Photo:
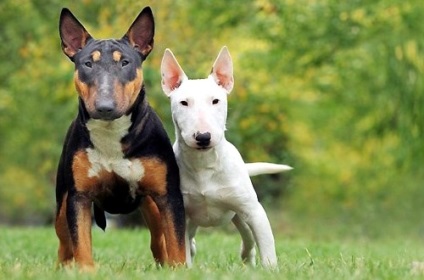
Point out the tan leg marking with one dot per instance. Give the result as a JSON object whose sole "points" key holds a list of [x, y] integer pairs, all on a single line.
{"points": [[65, 252], [152, 217], [83, 248], [154, 180], [161, 223]]}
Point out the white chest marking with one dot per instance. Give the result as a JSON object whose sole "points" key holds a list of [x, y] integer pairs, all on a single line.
{"points": [[107, 153]]}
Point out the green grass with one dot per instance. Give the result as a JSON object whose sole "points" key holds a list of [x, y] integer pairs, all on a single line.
{"points": [[30, 253]]}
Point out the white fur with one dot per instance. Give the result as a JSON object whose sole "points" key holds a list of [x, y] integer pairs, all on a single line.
{"points": [[258, 168], [215, 181], [107, 152]]}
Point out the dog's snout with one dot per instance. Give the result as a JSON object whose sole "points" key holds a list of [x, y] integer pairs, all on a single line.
{"points": [[105, 106], [105, 109], [203, 139]]}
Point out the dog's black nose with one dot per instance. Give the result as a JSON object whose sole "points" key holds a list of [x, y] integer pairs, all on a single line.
{"points": [[203, 139], [105, 109]]}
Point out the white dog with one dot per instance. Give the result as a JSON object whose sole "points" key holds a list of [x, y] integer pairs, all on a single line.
{"points": [[215, 181]]}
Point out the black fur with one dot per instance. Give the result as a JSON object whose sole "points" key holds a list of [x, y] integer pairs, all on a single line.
{"points": [[107, 77]]}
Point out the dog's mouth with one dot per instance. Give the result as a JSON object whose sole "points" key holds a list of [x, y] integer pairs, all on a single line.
{"points": [[199, 147], [203, 148], [105, 116]]}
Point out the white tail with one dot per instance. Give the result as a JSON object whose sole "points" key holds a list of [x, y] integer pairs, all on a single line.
{"points": [[258, 168]]}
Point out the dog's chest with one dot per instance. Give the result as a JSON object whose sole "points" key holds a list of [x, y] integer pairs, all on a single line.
{"points": [[207, 202], [107, 155]]}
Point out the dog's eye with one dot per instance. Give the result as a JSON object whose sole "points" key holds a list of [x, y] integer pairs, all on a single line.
{"points": [[215, 101], [124, 62], [184, 103], [88, 64]]}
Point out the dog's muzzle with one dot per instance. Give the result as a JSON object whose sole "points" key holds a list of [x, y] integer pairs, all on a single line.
{"points": [[105, 109], [202, 139]]}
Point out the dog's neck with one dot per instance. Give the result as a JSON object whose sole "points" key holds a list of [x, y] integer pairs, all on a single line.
{"points": [[195, 160], [106, 135]]}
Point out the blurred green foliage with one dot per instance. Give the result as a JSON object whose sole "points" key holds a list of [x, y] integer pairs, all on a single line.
{"points": [[333, 88]]}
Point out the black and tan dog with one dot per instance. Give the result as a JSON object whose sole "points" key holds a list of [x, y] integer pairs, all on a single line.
{"points": [[117, 156]]}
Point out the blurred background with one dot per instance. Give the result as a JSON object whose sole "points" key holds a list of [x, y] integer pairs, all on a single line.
{"points": [[333, 88]]}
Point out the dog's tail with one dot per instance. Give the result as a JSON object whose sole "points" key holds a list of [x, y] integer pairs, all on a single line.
{"points": [[258, 168]]}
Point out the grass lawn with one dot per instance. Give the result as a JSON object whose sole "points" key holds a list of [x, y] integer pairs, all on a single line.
{"points": [[30, 253]]}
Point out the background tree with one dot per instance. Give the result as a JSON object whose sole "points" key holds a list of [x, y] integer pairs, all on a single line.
{"points": [[333, 88]]}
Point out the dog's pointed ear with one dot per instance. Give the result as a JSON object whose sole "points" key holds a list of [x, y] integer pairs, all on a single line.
{"points": [[140, 34], [72, 33], [171, 72], [222, 70]]}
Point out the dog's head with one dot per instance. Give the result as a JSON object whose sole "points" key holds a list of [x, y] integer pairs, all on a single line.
{"points": [[108, 75], [199, 107]]}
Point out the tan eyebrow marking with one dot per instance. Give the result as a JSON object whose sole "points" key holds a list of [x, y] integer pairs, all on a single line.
{"points": [[96, 55], [117, 56]]}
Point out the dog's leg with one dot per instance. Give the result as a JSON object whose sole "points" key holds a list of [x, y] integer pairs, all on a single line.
{"points": [[190, 243], [173, 222], [191, 232], [258, 222], [78, 215], [248, 252], [166, 223], [65, 252], [152, 218]]}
